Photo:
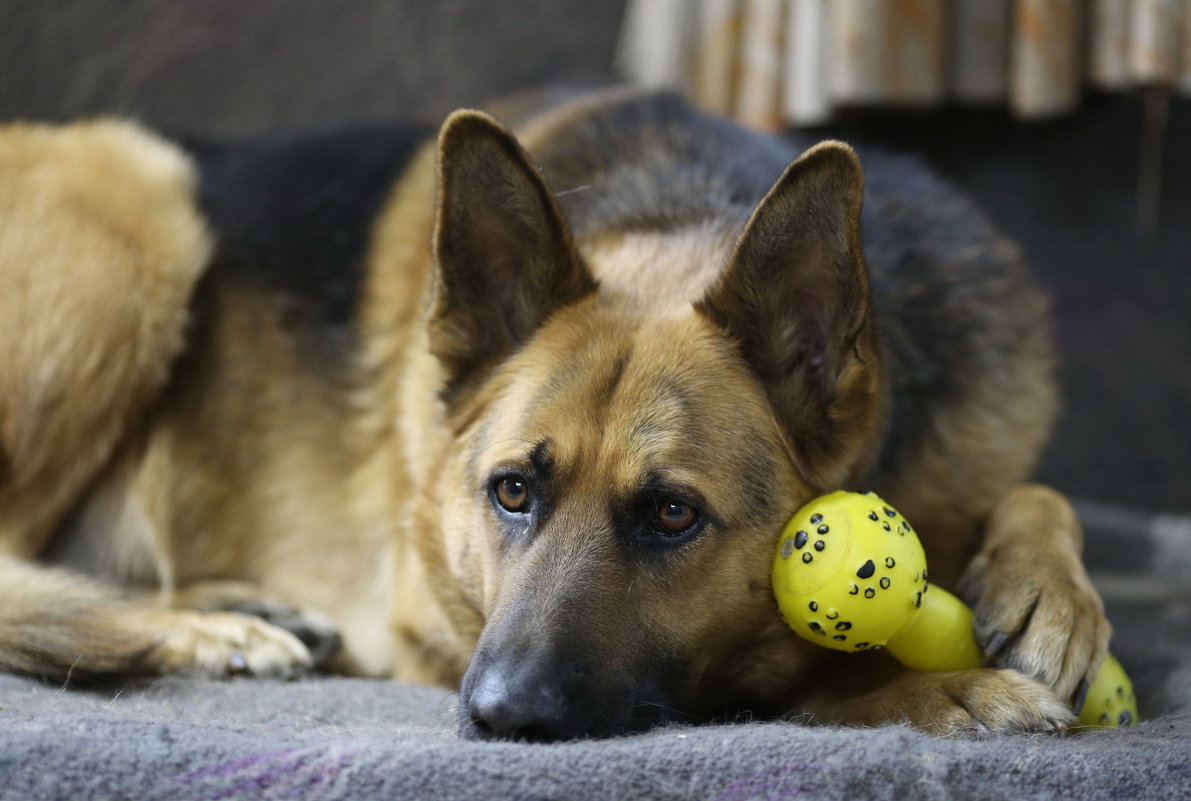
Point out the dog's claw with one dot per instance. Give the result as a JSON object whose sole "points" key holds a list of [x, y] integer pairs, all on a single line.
{"points": [[236, 663], [1081, 696], [996, 644]]}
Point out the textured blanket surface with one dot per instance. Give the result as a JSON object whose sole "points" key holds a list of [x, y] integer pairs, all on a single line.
{"points": [[357, 739], [362, 739]]}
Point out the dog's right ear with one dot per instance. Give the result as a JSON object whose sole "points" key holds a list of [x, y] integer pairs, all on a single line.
{"points": [[504, 256], [795, 297]]}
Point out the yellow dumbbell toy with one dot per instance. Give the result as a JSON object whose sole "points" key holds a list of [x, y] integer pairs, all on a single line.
{"points": [[850, 574]]}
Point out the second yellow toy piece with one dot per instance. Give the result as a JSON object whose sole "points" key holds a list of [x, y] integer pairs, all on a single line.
{"points": [[850, 574]]}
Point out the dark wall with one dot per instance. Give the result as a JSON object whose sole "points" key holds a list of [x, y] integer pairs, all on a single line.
{"points": [[236, 66]]}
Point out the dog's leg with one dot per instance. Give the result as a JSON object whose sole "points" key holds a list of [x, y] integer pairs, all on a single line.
{"points": [[317, 631], [1034, 607], [1036, 615], [100, 248], [57, 623], [856, 691]]}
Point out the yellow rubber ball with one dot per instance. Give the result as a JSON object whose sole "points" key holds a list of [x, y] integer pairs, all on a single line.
{"points": [[849, 572]]}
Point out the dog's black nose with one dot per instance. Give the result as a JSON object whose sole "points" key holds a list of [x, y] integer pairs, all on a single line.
{"points": [[511, 704]]}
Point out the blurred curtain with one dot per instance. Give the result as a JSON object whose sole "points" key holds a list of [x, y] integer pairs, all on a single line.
{"points": [[771, 63]]}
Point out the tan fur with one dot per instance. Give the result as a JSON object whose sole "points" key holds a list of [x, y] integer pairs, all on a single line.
{"points": [[1027, 585], [93, 304], [729, 360], [971, 702]]}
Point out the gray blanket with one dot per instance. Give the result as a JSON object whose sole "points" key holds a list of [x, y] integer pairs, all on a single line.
{"points": [[360, 739]]}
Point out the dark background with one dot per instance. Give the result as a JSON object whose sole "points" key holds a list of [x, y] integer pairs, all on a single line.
{"points": [[1066, 189]]}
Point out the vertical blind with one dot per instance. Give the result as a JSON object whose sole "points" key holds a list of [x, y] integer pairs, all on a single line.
{"points": [[772, 63]]}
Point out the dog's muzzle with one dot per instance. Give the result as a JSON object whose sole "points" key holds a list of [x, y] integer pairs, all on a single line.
{"points": [[537, 698]]}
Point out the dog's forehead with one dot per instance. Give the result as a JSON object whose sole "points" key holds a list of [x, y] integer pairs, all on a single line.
{"points": [[622, 401]]}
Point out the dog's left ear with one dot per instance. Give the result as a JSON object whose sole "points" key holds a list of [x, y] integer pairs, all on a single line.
{"points": [[503, 252], [795, 296]]}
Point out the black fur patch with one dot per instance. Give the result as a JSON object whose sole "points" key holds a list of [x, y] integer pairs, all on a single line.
{"points": [[294, 214]]}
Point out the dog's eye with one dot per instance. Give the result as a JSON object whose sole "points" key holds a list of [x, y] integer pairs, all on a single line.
{"points": [[512, 493], [675, 517]]}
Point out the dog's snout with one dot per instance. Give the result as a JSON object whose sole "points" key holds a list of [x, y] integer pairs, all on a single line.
{"points": [[511, 704]]}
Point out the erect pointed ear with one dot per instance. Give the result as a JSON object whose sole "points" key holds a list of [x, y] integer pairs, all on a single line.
{"points": [[795, 296], [505, 260]]}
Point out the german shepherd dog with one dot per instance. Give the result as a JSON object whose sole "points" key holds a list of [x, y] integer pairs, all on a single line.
{"points": [[517, 410]]}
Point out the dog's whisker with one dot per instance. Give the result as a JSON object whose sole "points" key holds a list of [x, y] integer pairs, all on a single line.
{"points": [[677, 713]]}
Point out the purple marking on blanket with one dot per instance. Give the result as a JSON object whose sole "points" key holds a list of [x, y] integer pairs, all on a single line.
{"points": [[321, 776], [774, 784], [292, 773], [239, 765]]}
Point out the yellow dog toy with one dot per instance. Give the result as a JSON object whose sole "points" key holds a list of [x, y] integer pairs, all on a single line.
{"points": [[850, 574]]}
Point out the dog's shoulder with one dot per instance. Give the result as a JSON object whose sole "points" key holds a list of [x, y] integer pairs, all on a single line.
{"points": [[964, 328]]}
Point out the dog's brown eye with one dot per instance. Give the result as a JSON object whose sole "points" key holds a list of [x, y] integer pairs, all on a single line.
{"points": [[675, 517], [512, 493]]}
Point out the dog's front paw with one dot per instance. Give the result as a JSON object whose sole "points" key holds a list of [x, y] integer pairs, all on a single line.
{"points": [[980, 701], [1034, 607], [318, 632], [222, 644]]}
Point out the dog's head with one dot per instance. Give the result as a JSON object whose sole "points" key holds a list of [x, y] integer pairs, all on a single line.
{"points": [[626, 450]]}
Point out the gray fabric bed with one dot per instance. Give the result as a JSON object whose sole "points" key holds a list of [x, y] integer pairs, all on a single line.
{"points": [[360, 739]]}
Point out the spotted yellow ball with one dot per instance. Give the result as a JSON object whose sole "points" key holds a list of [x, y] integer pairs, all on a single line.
{"points": [[850, 574]]}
